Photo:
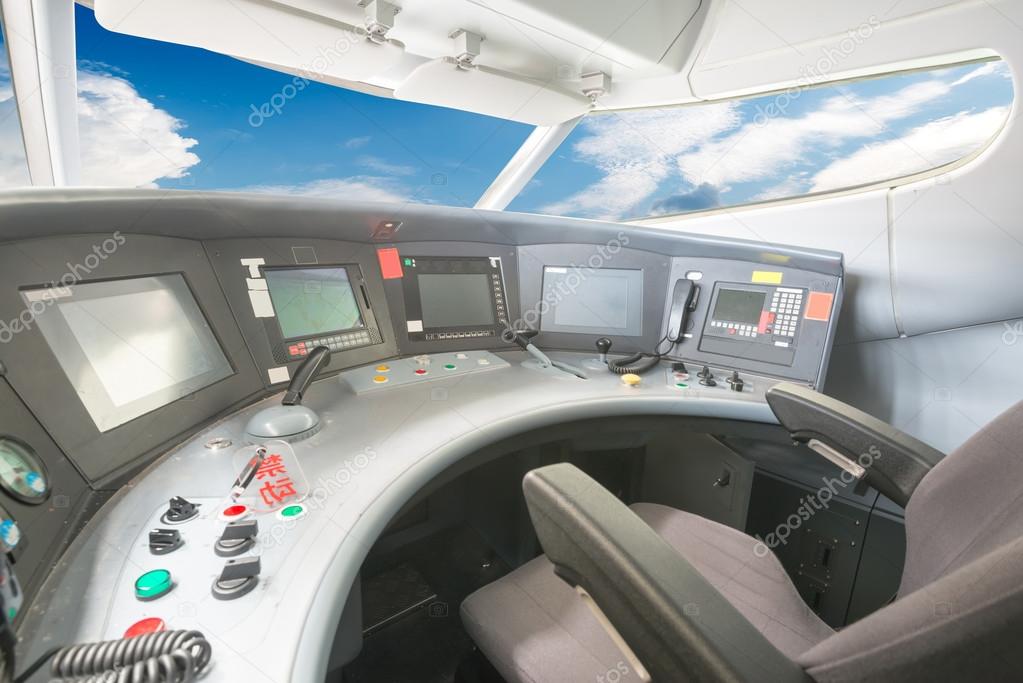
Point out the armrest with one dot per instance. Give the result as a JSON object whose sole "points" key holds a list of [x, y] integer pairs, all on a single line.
{"points": [[675, 622], [890, 460]]}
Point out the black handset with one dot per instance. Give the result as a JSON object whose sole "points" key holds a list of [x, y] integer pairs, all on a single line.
{"points": [[684, 298]]}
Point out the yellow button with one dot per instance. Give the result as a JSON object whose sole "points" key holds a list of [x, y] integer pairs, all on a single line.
{"points": [[383, 368], [380, 379], [631, 380]]}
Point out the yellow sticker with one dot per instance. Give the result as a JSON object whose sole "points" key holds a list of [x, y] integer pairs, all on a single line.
{"points": [[766, 277]]}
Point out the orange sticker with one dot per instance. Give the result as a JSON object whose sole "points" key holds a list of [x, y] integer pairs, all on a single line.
{"points": [[818, 306]]}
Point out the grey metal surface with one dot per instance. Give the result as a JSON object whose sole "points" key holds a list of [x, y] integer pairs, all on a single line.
{"points": [[277, 422], [374, 452], [215, 215]]}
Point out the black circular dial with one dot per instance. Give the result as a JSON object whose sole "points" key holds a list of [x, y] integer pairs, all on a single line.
{"points": [[22, 474]]}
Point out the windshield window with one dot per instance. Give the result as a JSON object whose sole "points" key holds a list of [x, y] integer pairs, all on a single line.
{"points": [[162, 115], [13, 167], [679, 159]]}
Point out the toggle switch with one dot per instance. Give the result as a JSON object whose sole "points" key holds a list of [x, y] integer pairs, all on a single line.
{"points": [[238, 537], [735, 382], [164, 541], [237, 578], [179, 510]]}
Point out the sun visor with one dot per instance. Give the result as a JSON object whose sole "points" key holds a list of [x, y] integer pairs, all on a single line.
{"points": [[272, 34], [488, 91]]}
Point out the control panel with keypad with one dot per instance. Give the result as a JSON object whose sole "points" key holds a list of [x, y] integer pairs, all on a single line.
{"points": [[759, 322]]}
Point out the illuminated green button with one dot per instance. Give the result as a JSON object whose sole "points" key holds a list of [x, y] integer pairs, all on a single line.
{"points": [[449, 366], [152, 585], [682, 385], [291, 512]]}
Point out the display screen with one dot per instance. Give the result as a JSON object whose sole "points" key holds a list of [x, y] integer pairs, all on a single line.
{"points": [[455, 299], [593, 301], [739, 306], [129, 346], [313, 301]]}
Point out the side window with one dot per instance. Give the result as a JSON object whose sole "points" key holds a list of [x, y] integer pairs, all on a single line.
{"points": [[13, 166], [642, 163]]}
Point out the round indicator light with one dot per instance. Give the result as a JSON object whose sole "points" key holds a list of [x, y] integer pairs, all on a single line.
{"points": [[449, 366], [234, 512], [421, 372], [144, 626], [380, 379], [153, 584], [291, 512], [383, 368], [682, 385]]}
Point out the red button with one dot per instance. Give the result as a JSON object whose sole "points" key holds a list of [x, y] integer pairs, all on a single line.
{"points": [[293, 350], [143, 626], [235, 510], [731, 330], [420, 371]]}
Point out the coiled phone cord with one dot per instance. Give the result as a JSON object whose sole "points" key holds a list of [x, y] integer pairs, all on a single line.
{"points": [[639, 363], [161, 657]]}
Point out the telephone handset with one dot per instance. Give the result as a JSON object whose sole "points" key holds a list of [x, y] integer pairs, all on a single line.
{"points": [[684, 298]]}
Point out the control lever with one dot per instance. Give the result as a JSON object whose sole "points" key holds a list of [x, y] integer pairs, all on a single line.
{"points": [[164, 541], [237, 578], [603, 346], [523, 339], [305, 374], [237, 538], [735, 382]]}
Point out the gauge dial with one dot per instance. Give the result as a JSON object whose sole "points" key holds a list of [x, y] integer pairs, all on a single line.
{"points": [[22, 474]]}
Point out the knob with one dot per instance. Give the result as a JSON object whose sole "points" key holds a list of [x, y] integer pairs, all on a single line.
{"points": [[706, 377], [735, 382], [237, 538], [603, 346], [164, 541], [237, 578], [179, 510]]}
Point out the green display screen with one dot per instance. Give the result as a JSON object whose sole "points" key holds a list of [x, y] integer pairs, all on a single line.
{"points": [[313, 301]]}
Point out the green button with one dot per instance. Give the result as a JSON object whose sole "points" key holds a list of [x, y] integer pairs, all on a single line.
{"points": [[682, 385], [292, 511], [152, 585], [449, 366], [11, 613]]}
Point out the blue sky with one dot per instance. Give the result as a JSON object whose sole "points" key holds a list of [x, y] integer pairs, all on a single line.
{"points": [[159, 114]]}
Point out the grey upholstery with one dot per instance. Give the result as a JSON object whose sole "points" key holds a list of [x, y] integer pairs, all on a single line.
{"points": [[958, 615], [534, 627]]}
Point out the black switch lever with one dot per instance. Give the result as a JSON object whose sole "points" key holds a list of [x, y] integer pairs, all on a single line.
{"points": [[238, 537], [237, 578], [305, 374], [164, 541], [735, 382], [603, 346], [179, 510]]}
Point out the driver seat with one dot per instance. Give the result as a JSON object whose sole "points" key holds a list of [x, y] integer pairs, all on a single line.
{"points": [[650, 590]]}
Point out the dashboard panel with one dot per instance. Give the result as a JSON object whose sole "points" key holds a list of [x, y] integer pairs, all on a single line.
{"points": [[146, 358]]}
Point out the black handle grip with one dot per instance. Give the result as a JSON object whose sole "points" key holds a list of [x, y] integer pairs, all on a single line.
{"points": [[520, 337], [305, 374]]}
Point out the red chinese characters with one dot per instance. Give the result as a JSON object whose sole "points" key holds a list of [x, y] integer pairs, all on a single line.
{"points": [[276, 486]]}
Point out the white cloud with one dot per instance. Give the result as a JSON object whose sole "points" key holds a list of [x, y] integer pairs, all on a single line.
{"points": [[125, 140], [635, 152], [922, 148], [356, 143], [360, 188], [380, 166]]}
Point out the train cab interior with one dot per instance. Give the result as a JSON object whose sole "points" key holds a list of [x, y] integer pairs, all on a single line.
{"points": [[510, 341]]}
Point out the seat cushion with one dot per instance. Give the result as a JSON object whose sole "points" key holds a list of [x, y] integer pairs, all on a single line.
{"points": [[534, 627]]}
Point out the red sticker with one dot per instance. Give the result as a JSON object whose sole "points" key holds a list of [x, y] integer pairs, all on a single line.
{"points": [[390, 263], [818, 306]]}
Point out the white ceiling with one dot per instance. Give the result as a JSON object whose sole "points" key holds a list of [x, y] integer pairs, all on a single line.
{"points": [[656, 51]]}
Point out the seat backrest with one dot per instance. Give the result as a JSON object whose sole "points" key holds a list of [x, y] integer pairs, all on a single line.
{"points": [[960, 606], [967, 506]]}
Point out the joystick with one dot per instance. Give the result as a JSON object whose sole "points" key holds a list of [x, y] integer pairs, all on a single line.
{"points": [[603, 346], [707, 377], [292, 421], [735, 383]]}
